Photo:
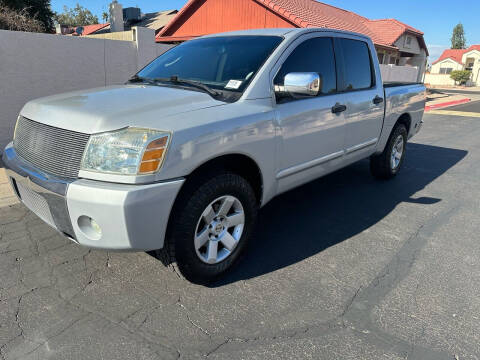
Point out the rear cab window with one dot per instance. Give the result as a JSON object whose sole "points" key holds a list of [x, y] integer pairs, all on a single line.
{"points": [[356, 66]]}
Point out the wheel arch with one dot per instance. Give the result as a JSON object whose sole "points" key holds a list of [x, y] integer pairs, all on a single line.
{"points": [[405, 119], [237, 163]]}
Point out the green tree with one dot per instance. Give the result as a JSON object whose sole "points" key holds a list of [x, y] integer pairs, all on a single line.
{"points": [[77, 16], [461, 76], [105, 16], [458, 37], [39, 10]]}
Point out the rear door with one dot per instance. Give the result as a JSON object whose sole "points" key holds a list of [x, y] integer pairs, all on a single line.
{"points": [[312, 135], [363, 95]]}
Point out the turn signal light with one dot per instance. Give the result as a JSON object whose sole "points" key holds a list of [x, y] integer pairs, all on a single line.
{"points": [[153, 156]]}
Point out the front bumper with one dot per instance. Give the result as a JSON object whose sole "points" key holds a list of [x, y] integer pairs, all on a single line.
{"points": [[129, 217]]}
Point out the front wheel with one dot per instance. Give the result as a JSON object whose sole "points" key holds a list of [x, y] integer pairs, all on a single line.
{"points": [[210, 227], [389, 162]]}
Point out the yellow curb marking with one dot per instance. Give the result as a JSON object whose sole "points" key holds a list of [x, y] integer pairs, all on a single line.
{"points": [[453, 113]]}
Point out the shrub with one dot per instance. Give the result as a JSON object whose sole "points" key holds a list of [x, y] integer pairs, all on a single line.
{"points": [[18, 20], [460, 76]]}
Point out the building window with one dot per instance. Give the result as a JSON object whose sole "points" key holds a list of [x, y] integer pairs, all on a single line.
{"points": [[446, 70], [408, 41], [470, 64], [393, 60]]}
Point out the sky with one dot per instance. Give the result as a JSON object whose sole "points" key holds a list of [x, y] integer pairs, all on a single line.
{"points": [[435, 18]]}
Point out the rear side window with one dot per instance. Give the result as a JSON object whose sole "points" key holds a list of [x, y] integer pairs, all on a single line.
{"points": [[357, 65], [313, 55]]}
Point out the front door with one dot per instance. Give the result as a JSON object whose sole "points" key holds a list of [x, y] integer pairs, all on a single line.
{"points": [[312, 135]]}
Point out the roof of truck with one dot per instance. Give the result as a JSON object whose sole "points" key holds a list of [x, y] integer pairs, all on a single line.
{"points": [[282, 32]]}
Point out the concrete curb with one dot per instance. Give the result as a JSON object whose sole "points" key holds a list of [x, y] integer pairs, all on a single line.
{"points": [[447, 103]]}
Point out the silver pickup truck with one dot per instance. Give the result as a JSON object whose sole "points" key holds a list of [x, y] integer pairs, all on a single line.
{"points": [[179, 160]]}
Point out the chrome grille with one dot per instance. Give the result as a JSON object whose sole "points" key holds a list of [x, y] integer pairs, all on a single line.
{"points": [[53, 150]]}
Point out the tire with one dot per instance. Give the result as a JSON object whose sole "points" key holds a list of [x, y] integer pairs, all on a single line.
{"points": [[382, 166], [189, 216]]}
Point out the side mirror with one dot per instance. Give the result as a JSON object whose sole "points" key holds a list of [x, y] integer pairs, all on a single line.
{"points": [[300, 84]]}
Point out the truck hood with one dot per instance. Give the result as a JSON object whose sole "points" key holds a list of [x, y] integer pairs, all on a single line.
{"points": [[115, 107]]}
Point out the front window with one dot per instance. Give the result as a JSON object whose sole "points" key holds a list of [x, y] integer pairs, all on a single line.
{"points": [[225, 63], [313, 55]]}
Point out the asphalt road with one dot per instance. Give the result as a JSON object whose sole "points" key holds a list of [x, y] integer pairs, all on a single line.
{"points": [[473, 106], [456, 91], [345, 267]]}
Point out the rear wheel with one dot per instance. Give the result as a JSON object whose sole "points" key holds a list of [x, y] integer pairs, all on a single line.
{"points": [[389, 162], [210, 227]]}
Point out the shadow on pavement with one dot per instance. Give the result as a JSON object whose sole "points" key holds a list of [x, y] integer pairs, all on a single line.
{"points": [[309, 219]]}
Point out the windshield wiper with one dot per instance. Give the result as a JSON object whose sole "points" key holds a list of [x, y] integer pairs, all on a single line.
{"points": [[137, 79], [176, 80]]}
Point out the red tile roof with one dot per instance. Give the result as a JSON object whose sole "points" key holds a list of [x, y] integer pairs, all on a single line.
{"points": [[473, 47], [456, 54], [311, 13], [91, 29]]}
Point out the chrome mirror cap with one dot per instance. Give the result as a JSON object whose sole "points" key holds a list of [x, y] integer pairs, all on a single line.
{"points": [[301, 84]]}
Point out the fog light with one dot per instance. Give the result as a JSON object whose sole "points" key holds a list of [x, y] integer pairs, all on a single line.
{"points": [[89, 227], [95, 227]]}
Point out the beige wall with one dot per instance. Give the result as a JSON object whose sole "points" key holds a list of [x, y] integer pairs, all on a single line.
{"points": [[36, 65], [475, 55], [447, 63], [439, 80], [120, 35]]}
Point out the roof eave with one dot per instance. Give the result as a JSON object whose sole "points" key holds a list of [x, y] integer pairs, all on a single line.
{"points": [[177, 16], [174, 38], [447, 58]]}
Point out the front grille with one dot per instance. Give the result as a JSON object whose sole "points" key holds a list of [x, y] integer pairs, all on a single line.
{"points": [[53, 150]]}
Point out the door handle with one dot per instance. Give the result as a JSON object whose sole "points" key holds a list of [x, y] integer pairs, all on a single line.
{"points": [[338, 108], [377, 100]]}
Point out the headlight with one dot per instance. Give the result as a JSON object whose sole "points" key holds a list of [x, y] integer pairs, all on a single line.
{"points": [[130, 151]]}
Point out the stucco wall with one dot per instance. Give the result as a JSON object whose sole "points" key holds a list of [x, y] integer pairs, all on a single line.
{"points": [[474, 55], [447, 63], [414, 46], [36, 65], [439, 80]]}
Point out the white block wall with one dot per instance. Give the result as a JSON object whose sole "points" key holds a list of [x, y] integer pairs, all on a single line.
{"points": [[35, 65], [393, 73]]}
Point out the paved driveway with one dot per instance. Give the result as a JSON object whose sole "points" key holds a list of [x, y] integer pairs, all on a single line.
{"points": [[343, 268]]}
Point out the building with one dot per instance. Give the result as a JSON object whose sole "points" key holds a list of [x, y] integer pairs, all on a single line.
{"points": [[82, 30], [156, 20], [124, 19], [396, 43], [456, 59]]}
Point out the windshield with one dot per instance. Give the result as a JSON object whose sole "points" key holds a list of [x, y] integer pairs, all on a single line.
{"points": [[222, 63]]}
